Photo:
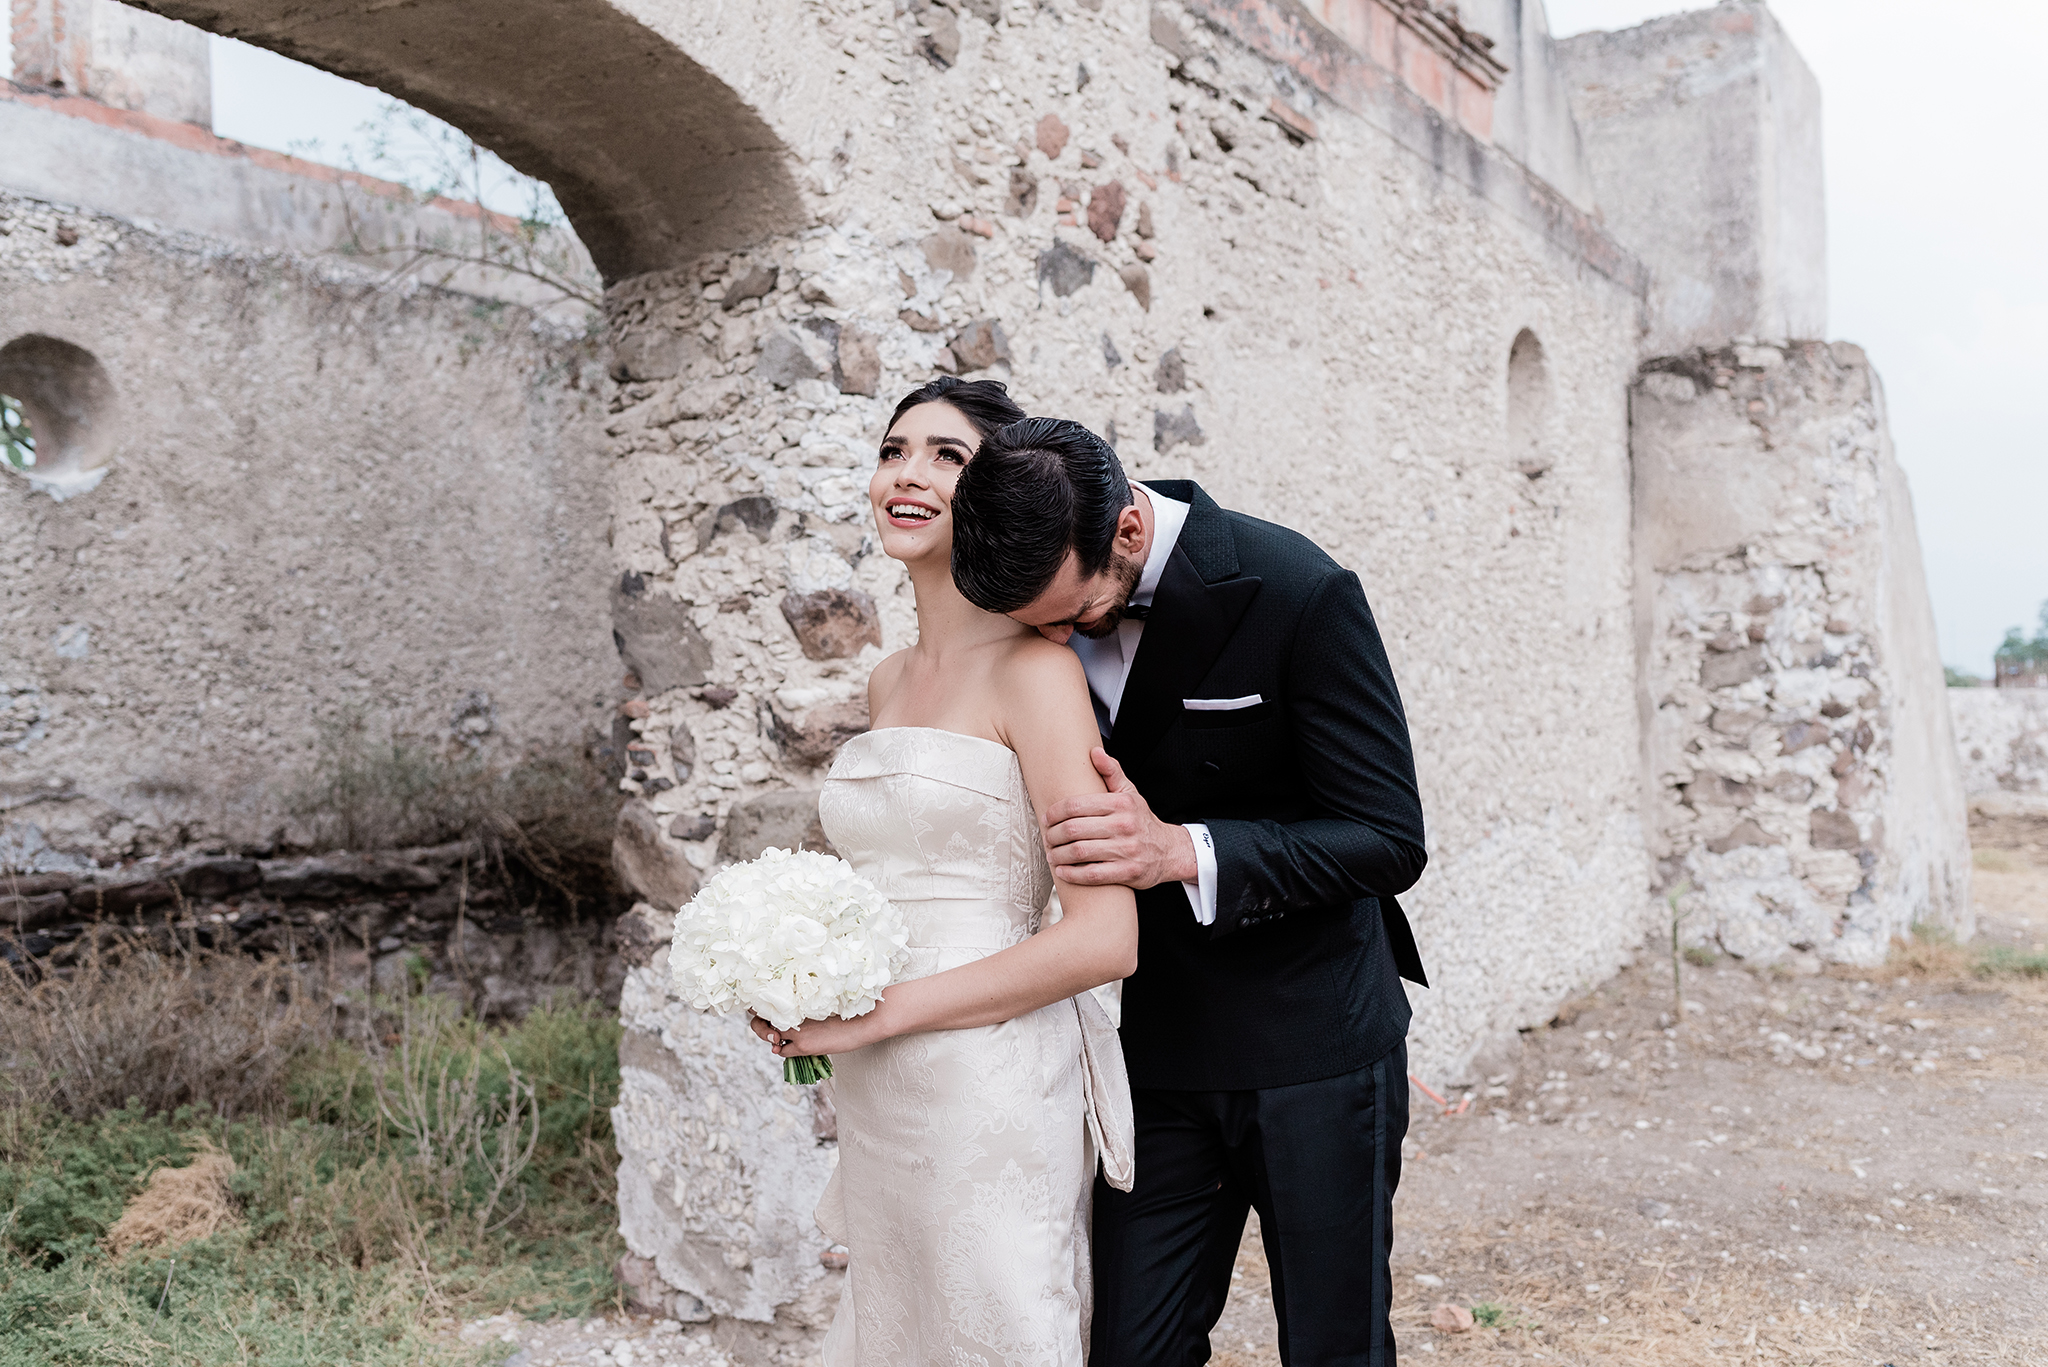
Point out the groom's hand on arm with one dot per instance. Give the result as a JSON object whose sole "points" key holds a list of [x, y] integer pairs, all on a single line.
{"points": [[1113, 839]]}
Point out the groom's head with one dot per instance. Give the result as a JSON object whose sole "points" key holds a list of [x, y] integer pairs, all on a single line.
{"points": [[1044, 529]]}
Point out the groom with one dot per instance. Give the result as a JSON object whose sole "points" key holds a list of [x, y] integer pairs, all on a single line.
{"points": [[1263, 802]]}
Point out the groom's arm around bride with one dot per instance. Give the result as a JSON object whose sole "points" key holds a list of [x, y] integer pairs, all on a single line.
{"points": [[1264, 804]]}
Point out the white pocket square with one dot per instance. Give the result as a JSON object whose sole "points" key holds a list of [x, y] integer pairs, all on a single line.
{"points": [[1221, 704]]}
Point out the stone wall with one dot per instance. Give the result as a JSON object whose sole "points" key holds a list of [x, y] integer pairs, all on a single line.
{"points": [[1237, 278], [2002, 737], [1803, 791], [113, 54], [326, 500], [455, 920], [170, 176]]}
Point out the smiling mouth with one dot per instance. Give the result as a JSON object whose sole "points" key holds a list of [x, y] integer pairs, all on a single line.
{"points": [[909, 512]]}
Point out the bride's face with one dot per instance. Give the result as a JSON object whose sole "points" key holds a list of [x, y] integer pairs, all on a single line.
{"points": [[912, 489]]}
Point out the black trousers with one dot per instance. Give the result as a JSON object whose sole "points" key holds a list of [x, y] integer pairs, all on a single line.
{"points": [[1319, 1161]]}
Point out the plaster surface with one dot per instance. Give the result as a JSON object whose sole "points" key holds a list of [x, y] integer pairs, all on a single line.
{"points": [[115, 54], [322, 500], [1703, 131]]}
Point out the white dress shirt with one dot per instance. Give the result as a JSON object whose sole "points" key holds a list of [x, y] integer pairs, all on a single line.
{"points": [[1107, 663]]}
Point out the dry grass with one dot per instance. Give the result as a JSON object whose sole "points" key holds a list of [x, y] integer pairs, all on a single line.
{"points": [[179, 1205], [426, 1165], [548, 816], [469, 1142], [1935, 953], [163, 1023]]}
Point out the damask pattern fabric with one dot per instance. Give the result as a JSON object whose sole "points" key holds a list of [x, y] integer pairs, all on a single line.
{"points": [[966, 1157]]}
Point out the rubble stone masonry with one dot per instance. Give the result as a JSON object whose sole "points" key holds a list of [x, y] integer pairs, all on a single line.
{"points": [[1105, 210], [1804, 795]]}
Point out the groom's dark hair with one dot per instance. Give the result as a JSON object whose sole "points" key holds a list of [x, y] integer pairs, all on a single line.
{"points": [[1036, 490]]}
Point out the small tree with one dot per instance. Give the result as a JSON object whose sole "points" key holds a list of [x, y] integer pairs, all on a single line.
{"points": [[433, 161], [2018, 655]]}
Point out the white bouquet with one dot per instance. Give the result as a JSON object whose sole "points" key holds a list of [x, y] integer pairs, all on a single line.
{"points": [[791, 936]]}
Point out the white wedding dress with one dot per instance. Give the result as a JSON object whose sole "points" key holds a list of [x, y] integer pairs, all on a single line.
{"points": [[966, 1157]]}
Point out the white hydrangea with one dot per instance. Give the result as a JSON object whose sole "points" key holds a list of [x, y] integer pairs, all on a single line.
{"points": [[792, 936]]}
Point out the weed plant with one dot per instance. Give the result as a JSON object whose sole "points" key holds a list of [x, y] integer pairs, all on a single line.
{"points": [[395, 1172], [547, 818], [1934, 951]]}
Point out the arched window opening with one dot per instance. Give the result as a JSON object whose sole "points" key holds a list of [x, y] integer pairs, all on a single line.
{"points": [[1529, 447], [57, 415]]}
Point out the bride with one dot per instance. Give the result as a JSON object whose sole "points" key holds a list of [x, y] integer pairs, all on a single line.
{"points": [[975, 1101]]}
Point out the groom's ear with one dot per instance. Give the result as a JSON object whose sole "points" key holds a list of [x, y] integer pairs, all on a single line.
{"points": [[1130, 531]]}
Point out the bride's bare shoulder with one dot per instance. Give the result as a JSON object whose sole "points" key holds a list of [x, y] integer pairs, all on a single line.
{"points": [[1042, 705], [1034, 668], [883, 679]]}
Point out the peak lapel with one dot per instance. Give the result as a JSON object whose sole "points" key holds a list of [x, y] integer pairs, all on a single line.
{"points": [[1191, 623]]}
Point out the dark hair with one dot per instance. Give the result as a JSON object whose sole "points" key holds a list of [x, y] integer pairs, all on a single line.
{"points": [[1034, 491], [986, 404]]}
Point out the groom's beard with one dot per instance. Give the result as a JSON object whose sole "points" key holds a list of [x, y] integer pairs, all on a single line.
{"points": [[1126, 573]]}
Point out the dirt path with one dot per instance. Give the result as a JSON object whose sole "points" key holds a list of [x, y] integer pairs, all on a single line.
{"points": [[1848, 1168]]}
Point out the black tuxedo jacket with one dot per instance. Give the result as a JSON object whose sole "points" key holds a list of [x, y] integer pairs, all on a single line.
{"points": [[1310, 797]]}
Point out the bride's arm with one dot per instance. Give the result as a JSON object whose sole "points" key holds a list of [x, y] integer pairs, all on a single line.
{"points": [[1046, 718]]}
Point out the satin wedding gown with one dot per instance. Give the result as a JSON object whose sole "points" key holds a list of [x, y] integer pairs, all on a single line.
{"points": [[966, 1157]]}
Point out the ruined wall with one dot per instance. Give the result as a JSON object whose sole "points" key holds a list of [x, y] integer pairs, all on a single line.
{"points": [[1296, 304], [1337, 261], [174, 176], [1532, 110], [114, 54], [2002, 737], [1703, 131], [324, 500], [1799, 755]]}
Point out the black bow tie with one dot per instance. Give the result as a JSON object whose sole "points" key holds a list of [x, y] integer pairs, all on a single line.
{"points": [[1136, 612]]}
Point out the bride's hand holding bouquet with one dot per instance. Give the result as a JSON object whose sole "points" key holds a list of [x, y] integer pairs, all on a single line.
{"points": [[792, 937]]}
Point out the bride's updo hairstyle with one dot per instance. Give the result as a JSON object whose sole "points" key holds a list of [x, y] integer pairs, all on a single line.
{"points": [[1036, 490], [986, 404]]}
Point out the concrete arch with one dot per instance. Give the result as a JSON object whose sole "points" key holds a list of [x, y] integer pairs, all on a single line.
{"points": [[654, 159]]}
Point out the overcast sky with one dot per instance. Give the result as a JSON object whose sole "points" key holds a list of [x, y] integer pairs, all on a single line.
{"points": [[1937, 207]]}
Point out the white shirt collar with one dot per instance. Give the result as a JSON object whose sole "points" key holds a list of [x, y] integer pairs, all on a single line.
{"points": [[1169, 515]]}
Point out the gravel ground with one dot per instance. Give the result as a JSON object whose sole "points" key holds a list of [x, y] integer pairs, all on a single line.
{"points": [[1850, 1167], [1830, 1168], [631, 1340]]}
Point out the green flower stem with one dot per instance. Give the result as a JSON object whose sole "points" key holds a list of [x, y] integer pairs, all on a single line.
{"points": [[807, 1070]]}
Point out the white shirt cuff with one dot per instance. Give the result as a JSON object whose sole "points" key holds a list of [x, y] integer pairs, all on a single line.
{"points": [[1202, 892]]}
